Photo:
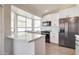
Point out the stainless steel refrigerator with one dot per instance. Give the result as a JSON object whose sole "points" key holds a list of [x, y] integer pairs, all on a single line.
{"points": [[68, 29]]}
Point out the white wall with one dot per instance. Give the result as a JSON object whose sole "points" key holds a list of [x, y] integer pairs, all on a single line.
{"points": [[54, 18], [5, 30], [1, 33], [0, 30], [54, 36]]}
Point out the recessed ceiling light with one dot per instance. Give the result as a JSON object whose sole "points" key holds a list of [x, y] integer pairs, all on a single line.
{"points": [[46, 10]]}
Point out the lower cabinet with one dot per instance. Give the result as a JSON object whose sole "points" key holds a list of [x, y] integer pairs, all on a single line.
{"points": [[54, 38], [36, 47]]}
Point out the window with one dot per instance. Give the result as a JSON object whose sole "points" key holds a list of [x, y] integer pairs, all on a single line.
{"points": [[21, 29], [21, 23], [29, 22], [29, 29], [37, 25]]}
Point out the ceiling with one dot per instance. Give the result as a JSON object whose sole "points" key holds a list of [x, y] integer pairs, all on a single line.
{"points": [[43, 9]]}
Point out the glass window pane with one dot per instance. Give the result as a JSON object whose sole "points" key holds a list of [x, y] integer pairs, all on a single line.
{"points": [[29, 22], [21, 29], [37, 29], [21, 21], [37, 23], [21, 24], [28, 29]]}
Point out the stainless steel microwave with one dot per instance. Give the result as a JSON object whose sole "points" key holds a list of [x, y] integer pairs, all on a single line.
{"points": [[46, 23]]}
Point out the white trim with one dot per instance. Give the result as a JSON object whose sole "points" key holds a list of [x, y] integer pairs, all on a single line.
{"points": [[15, 22]]}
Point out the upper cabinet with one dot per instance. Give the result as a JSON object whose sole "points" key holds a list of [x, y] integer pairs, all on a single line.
{"points": [[53, 18], [63, 14], [46, 18], [74, 12], [70, 12]]}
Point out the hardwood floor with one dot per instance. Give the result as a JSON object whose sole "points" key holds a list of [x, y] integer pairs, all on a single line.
{"points": [[54, 49]]}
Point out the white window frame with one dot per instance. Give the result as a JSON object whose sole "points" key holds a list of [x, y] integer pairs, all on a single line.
{"points": [[37, 27], [16, 20]]}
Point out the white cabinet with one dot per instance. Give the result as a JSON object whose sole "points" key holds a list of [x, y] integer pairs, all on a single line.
{"points": [[70, 12], [23, 47], [63, 14], [46, 18], [77, 45], [73, 11], [54, 38], [55, 29]]}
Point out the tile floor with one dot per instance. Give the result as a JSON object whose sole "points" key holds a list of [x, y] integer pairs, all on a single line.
{"points": [[54, 49]]}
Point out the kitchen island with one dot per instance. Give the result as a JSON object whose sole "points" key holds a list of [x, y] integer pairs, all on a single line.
{"points": [[25, 43]]}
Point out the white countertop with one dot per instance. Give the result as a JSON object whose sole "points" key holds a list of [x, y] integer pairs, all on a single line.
{"points": [[26, 36]]}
